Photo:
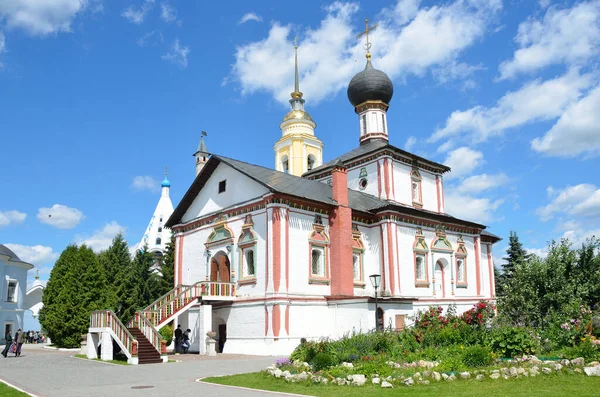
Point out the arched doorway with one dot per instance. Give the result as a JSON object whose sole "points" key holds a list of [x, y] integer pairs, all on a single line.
{"points": [[380, 324], [440, 285], [220, 268]]}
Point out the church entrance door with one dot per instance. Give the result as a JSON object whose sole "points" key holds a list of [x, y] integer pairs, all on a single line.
{"points": [[439, 280], [220, 268]]}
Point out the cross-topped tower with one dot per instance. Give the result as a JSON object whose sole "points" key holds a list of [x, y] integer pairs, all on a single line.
{"points": [[366, 34]]}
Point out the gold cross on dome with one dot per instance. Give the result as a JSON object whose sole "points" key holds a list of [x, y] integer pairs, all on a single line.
{"points": [[366, 34]]}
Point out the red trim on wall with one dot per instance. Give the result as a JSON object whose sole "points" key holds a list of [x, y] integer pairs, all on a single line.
{"points": [[393, 184], [267, 251], [287, 319], [382, 254], [491, 271], [276, 248], [180, 260], [378, 179], [390, 248], [276, 321], [287, 250], [386, 178], [477, 264]]}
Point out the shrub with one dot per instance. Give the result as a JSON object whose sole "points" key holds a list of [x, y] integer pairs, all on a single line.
{"points": [[585, 349], [322, 361], [512, 341], [477, 356], [167, 333]]}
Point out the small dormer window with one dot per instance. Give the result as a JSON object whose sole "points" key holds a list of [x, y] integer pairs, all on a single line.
{"points": [[222, 186], [159, 229], [158, 241]]}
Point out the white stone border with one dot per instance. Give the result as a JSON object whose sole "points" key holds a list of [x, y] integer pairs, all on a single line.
{"points": [[199, 380], [17, 388], [62, 349]]}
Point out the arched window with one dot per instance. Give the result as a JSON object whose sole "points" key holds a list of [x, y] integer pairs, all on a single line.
{"points": [[160, 229], [319, 255], [358, 250], [249, 265], [461, 264], [285, 164], [248, 252], [158, 241], [310, 162], [415, 183], [420, 250]]}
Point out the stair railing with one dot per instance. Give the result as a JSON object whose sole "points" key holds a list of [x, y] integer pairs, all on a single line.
{"points": [[166, 297], [140, 321], [108, 319]]}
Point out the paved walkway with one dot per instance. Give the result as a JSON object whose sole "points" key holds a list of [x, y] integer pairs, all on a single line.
{"points": [[50, 373]]}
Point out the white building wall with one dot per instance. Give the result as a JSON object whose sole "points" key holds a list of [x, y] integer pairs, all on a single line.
{"points": [[12, 312], [372, 179], [238, 190], [429, 191]]}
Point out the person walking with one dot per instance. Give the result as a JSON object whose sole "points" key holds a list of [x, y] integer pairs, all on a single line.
{"points": [[19, 338], [178, 339], [186, 341], [9, 339]]}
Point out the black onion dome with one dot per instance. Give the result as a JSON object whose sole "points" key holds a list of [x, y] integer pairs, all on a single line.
{"points": [[370, 85]]}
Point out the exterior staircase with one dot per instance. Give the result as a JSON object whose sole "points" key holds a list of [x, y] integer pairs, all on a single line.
{"points": [[140, 339], [147, 354]]}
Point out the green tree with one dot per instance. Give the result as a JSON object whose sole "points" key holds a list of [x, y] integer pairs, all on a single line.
{"points": [[76, 287], [115, 261], [515, 254], [167, 267]]}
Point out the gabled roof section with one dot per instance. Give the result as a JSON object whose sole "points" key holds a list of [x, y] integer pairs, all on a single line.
{"points": [[12, 257], [279, 182], [371, 147]]}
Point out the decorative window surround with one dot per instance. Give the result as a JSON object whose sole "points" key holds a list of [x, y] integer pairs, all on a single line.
{"points": [[461, 256], [358, 251], [318, 254], [247, 244], [12, 291], [415, 188], [420, 251]]}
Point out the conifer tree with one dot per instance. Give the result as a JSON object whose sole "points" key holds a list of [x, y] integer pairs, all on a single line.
{"points": [[515, 254], [76, 287], [168, 267], [116, 262]]}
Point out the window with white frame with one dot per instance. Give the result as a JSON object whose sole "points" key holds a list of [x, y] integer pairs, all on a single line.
{"points": [[420, 269], [356, 266], [318, 261], [11, 292], [416, 186], [249, 263], [460, 271]]}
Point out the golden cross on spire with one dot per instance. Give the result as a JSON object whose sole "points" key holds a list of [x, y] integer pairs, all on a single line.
{"points": [[366, 34]]}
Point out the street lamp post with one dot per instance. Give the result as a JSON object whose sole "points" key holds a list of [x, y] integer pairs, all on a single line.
{"points": [[375, 279]]}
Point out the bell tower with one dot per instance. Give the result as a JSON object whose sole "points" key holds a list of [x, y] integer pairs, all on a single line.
{"points": [[201, 154], [298, 150]]}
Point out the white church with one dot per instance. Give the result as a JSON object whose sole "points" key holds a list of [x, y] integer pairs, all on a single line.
{"points": [[265, 257]]}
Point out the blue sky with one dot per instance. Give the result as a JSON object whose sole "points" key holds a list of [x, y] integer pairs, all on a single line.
{"points": [[98, 96]]}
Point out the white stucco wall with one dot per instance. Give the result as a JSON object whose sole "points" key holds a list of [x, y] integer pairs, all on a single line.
{"points": [[239, 189], [12, 312]]}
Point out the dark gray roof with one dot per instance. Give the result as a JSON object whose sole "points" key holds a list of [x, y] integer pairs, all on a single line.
{"points": [[370, 85], [491, 235], [369, 147], [4, 250], [279, 182]]}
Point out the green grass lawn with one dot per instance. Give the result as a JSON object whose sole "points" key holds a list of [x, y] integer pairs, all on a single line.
{"points": [[542, 385], [7, 391], [120, 362]]}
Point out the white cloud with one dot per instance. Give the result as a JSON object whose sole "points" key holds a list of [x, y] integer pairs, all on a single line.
{"points": [[154, 36], [570, 36], [577, 132], [42, 17], [579, 236], [137, 15], [455, 71], [463, 161], [465, 206], [410, 143], [145, 183], [167, 12], [2, 43], [541, 252], [177, 54], [535, 101], [8, 217], [480, 183], [251, 16], [582, 200], [60, 216], [411, 45], [37, 255], [101, 239]]}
